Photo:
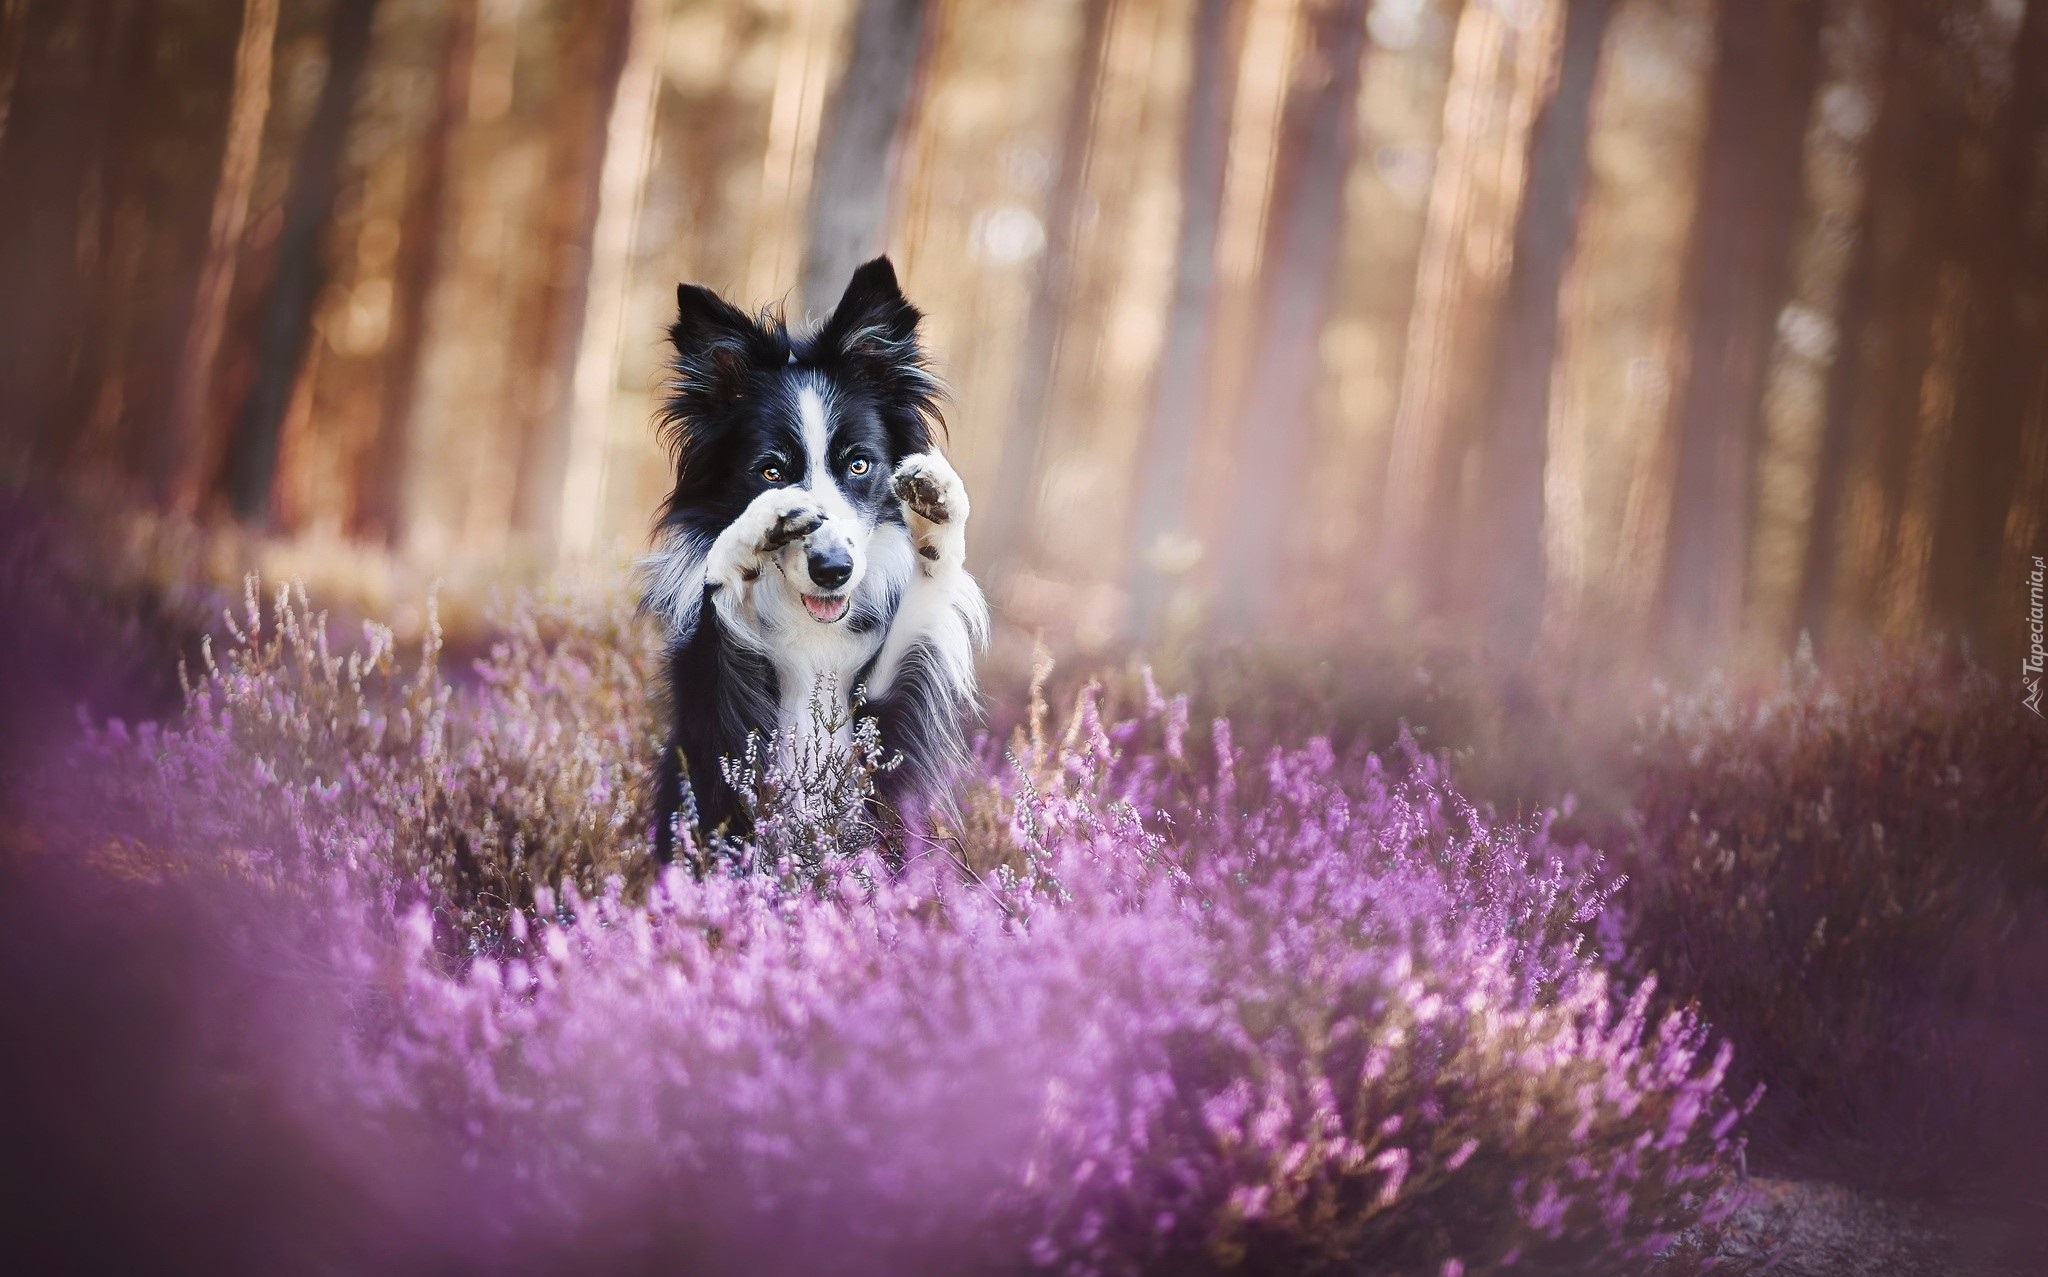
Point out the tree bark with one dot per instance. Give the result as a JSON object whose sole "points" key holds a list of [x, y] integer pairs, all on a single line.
{"points": [[1305, 231], [1514, 455], [1499, 67], [53, 169], [2006, 341], [628, 166], [857, 154], [554, 332], [301, 271], [1814, 608], [182, 461], [13, 39], [1167, 452], [380, 486], [81, 436], [1765, 75], [1882, 345], [1008, 520]]}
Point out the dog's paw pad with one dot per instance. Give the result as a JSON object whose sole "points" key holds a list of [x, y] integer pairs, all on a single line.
{"points": [[928, 491], [793, 524]]}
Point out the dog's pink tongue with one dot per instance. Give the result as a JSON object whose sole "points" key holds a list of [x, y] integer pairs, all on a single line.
{"points": [[825, 609]]}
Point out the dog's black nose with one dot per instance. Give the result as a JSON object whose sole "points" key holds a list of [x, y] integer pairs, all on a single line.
{"points": [[830, 565]]}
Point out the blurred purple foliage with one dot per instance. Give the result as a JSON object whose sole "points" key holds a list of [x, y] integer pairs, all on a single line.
{"points": [[1848, 871], [1158, 1004]]}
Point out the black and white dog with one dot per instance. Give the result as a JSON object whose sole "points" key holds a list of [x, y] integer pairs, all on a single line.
{"points": [[814, 545]]}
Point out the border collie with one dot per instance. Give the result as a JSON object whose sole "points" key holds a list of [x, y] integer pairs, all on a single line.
{"points": [[813, 551]]}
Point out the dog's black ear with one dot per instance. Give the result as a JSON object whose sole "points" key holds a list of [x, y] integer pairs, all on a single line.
{"points": [[717, 350], [873, 334], [872, 312], [714, 341]]}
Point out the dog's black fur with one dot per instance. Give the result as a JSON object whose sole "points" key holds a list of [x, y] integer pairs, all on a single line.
{"points": [[806, 481]]}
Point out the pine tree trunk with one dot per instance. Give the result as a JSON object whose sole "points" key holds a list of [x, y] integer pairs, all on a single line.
{"points": [[380, 486], [1303, 234], [2006, 341], [857, 152], [13, 39], [81, 437], [1009, 507], [595, 382], [1499, 67], [1767, 70], [52, 167], [182, 461], [301, 272], [1514, 451], [1167, 452], [556, 313], [1882, 347]]}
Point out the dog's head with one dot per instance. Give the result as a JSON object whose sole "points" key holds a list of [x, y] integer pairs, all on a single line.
{"points": [[755, 406]]}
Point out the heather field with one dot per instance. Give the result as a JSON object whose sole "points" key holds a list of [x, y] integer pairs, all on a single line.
{"points": [[1515, 540], [351, 957]]}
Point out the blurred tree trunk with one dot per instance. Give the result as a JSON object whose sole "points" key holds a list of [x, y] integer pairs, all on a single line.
{"points": [[52, 168], [183, 451], [1008, 521], [1913, 243], [1511, 566], [380, 486], [1766, 71], [1501, 61], [1814, 606], [115, 217], [13, 39], [1166, 453], [551, 327], [629, 164], [1304, 234], [2005, 344], [1886, 179], [1882, 341], [857, 154], [301, 267]]}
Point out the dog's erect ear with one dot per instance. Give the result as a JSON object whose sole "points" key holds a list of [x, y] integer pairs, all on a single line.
{"points": [[871, 314], [710, 332], [717, 350], [716, 344], [873, 332]]}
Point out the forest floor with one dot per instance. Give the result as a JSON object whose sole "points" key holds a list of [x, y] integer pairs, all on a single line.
{"points": [[1805, 1228]]}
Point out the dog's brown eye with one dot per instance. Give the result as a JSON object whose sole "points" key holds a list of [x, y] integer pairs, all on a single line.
{"points": [[859, 466], [772, 474]]}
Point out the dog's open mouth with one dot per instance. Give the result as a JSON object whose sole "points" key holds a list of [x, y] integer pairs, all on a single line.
{"points": [[824, 609]]}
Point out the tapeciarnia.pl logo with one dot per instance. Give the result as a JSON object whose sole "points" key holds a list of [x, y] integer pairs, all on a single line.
{"points": [[2037, 655]]}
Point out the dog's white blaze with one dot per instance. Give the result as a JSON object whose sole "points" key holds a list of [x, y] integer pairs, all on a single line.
{"points": [[840, 515], [810, 411]]}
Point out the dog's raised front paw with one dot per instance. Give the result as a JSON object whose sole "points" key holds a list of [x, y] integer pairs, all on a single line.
{"points": [[771, 521], [928, 487], [935, 504], [783, 515]]}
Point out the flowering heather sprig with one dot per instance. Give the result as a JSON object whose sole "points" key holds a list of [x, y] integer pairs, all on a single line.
{"points": [[1151, 1007]]}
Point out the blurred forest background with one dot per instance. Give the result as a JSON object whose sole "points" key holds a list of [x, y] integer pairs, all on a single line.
{"points": [[1574, 326]]}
